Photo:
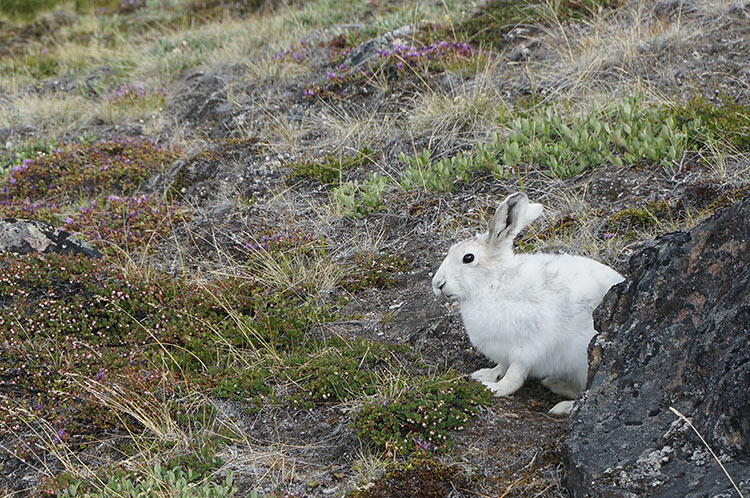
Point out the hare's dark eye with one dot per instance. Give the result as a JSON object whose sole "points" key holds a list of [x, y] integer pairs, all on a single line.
{"points": [[468, 258]]}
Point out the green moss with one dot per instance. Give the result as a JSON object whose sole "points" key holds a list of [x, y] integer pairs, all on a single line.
{"points": [[531, 241], [246, 384], [26, 9], [420, 419]]}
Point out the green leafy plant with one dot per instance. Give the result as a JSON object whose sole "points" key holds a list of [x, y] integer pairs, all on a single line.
{"points": [[358, 200], [176, 483], [441, 176], [415, 477], [625, 134], [115, 166]]}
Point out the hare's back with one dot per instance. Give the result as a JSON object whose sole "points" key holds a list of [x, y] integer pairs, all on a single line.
{"points": [[583, 279]]}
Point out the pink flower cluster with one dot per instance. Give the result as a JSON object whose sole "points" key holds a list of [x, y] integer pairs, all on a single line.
{"points": [[433, 51]]}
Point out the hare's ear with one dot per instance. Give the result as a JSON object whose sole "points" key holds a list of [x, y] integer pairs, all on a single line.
{"points": [[512, 216]]}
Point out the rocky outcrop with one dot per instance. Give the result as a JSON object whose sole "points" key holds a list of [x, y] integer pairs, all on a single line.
{"points": [[675, 334], [24, 237]]}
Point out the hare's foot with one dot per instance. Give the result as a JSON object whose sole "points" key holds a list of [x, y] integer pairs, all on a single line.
{"points": [[511, 381], [562, 408], [490, 374], [562, 387]]}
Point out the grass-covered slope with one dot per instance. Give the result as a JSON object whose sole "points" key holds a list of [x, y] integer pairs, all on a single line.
{"points": [[270, 185]]}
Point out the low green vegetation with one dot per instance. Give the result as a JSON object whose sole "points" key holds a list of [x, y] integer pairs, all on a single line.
{"points": [[357, 200], [441, 176], [726, 121], [642, 217], [417, 477], [627, 133], [174, 482], [421, 417], [331, 170], [373, 271]]}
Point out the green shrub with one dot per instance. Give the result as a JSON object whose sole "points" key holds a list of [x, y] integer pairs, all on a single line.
{"points": [[340, 371], [25, 9], [117, 223], [369, 270], [421, 418], [497, 18], [705, 122], [114, 167]]}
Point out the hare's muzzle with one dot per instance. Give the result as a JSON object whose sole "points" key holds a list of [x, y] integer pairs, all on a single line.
{"points": [[438, 282]]}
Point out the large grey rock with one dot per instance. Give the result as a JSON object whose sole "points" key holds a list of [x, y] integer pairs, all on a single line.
{"points": [[675, 334], [25, 236], [369, 49]]}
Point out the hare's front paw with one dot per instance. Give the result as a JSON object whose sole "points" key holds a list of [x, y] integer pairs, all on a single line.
{"points": [[510, 383], [489, 374], [562, 409]]}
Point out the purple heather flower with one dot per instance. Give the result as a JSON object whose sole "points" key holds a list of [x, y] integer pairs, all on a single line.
{"points": [[608, 235], [100, 374], [28, 161], [12, 180], [45, 51], [425, 445], [331, 75], [68, 220], [60, 435]]}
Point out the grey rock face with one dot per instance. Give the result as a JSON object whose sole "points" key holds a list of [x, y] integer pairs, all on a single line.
{"points": [[24, 237], [675, 334], [369, 49]]}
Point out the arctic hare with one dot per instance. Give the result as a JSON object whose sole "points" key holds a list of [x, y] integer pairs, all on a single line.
{"points": [[531, 313]]}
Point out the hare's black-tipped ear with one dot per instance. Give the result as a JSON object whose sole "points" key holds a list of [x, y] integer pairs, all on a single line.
{"points": [[512, 216]]}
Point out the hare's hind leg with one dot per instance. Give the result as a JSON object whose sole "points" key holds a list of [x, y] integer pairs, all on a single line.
{"points": [[563, 387], [490, 374], [562, 408], [511, 382]]}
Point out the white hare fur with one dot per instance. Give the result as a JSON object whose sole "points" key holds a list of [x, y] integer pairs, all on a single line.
{"points": [[530, 313]]}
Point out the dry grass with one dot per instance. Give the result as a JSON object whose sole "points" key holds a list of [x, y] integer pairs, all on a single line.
{"points": [[472, 111], [52, 114], [617, 51]]}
